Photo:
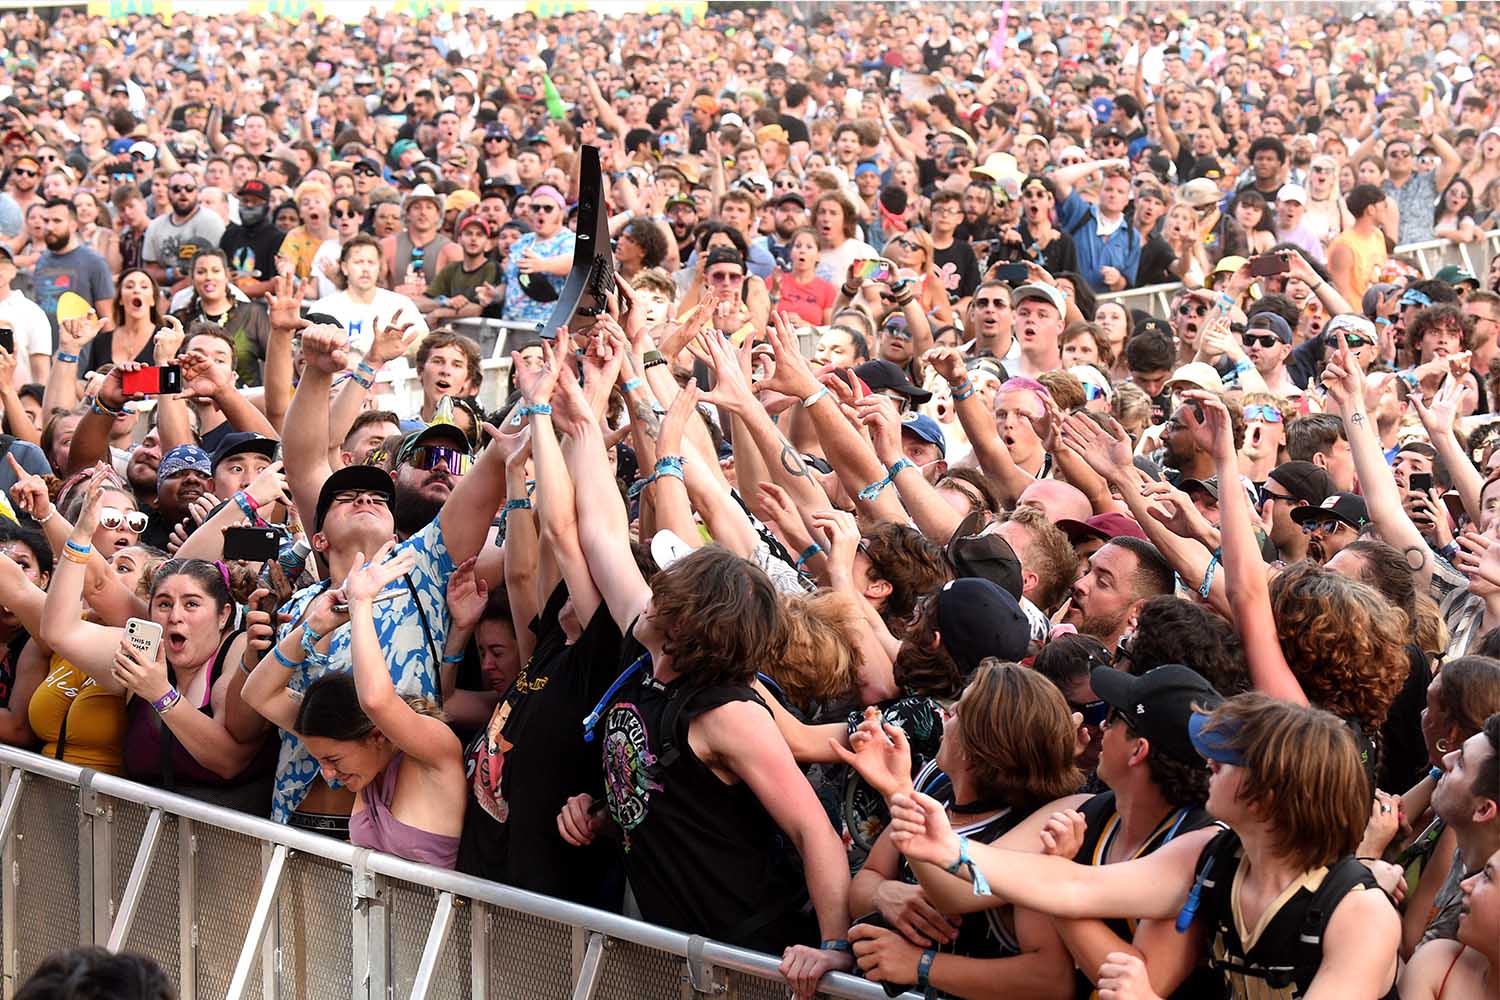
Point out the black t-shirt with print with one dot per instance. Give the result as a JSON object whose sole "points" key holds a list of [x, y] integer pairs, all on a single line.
{"points": [[532, 758], [957, 268]]}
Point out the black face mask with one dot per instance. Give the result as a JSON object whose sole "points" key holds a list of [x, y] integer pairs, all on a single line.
{"points": [[253, 215]]}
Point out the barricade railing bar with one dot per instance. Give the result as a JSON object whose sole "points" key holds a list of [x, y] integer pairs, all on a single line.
{"points": [[235, 906]]}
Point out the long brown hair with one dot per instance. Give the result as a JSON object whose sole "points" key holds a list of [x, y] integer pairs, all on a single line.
{"points": [[721, 617], [1016, 731], [1302, 771]]}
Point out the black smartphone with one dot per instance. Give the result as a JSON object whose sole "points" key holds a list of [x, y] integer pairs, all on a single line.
{"points": [[1010, 273], [157, 380], [1419, 482], [1267, 264], [251, 544], [876, 920], [8, 339]]}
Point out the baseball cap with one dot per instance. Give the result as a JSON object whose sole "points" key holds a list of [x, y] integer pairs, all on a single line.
{"points": [[1456, 274], [1206, 168], [985, 555], [1346, 507], [976, 619], [475, 219], [1303, 481], [143, 149], [1292, 192], [460, 201], [1196, 375], [925, 429], [1209, 486], [1159, 704], [879, 375], [1046, 293], [445, 431], [725, 120], [353, 477], [1271, 323], [682, 199], [1101, 526], [781, 199], [1351, 325], [255, 188], [1217, 744], [242, 443], [184, 458]]}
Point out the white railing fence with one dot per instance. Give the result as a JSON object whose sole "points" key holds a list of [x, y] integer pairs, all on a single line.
{"points": [[238, 907]]}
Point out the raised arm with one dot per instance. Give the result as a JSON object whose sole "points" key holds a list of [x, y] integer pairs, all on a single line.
{"points": [[201, 377], [305, 447], [283, 302], [934, 517], [424, 738], [979, 424], [89, 647], [1244, 571], [1345, 381], [1440, 420]]}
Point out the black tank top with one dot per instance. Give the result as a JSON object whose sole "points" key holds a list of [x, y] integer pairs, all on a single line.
{"points": [[1286, 956], [701, 856], [1102, 823]]}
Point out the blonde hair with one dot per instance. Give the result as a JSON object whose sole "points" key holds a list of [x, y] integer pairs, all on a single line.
{"points": [[316, 189], [819, 662]]}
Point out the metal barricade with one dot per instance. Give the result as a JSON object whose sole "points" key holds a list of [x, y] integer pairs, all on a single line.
{"points": [[236, 907]]}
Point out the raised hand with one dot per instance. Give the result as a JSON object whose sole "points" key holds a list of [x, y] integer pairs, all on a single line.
{"points": [[146, 679], [537, 383], [391, 341], [260, 628], [75, 334], [684, 406], [947, 362], [368, 579], [1105, 452], [325, 347], [201, 377], [880, 753], [269, 485], [168, 340], [1208, 422], [29, 494], [793, 376], [467, 595], [1438, 416], [1345, 380], [877, 414]]}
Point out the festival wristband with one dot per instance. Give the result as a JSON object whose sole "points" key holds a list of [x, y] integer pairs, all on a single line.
{"points": [[166, 701], [807, 554], [66, 358]]}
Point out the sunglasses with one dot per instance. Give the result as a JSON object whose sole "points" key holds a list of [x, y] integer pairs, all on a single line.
{"points": [[1325, 527], [432, 457], [906, 244], [1192, 309], [543, 207], [726, 277], [365, 172], [23, 172], [991, 303], [181, 188], [899, 332], [1263, 411], [1266, 340], [110, 518], [1266, 496], [1092, 392], [1358, 340]]}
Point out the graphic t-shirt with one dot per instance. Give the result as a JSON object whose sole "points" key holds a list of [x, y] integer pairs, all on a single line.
{"points": [[80, 270]]}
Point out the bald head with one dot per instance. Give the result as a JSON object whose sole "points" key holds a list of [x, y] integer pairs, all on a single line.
{"points": [[1057, 500]]}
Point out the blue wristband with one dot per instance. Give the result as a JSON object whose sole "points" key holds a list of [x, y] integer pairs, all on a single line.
{"points": [[1208, 574], [281, 658], [668, 465], [807, 554], [981, 884], [511, 505], [310, 640], [874, 489], [631, 384], [924, 967], [963, 392], [455, 658], [66, 358]]}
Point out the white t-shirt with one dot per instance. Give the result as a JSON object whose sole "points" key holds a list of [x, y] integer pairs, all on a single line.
{"points": [[833, 265], [328, 253], [359, 320], [32, 332]]}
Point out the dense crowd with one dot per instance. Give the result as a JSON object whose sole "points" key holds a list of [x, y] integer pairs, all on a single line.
{"points": [[868, 583]]}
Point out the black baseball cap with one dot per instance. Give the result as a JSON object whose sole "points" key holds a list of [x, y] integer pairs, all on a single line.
{"points": [[976, 619], [986, 556], [1158, 704], [1303, 481], [790, 196], [242, 443], [1347, 507], [879, 375], [353, 477]]}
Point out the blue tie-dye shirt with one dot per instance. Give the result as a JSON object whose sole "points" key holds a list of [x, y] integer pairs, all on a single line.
{"points": [[413, 663]]}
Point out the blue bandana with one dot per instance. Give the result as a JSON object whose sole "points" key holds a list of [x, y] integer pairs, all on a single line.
{"points": [[182, 458]]}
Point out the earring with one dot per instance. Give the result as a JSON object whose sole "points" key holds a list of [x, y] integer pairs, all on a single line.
{"points": [[1443, 746]]}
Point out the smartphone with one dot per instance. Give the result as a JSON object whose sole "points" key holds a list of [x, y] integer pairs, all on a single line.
{"points": [[1419, 482], [251, 544], [144, 636], [874, 269], [384, 595], [8, 339], [1266, 264], [875, 919], [1408, 124], [158, 380], [1011, 273]]}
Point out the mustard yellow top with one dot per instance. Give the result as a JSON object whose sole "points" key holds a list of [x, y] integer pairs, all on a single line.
{"points": [[96, 719]]}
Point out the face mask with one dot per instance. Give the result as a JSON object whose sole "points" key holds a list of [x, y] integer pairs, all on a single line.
{"points": [[252, 216]]}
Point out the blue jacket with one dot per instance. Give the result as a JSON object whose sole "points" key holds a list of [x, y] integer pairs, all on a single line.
{"points": [[1121, 250]]}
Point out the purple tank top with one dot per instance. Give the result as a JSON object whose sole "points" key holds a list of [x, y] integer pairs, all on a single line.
{"points": [[378, 830]]}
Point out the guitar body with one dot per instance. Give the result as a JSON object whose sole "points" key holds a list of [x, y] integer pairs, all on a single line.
{"points": [[592, 278]]}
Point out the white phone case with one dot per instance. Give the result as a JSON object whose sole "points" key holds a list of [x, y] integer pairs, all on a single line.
{"points": [[145, 636]]}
